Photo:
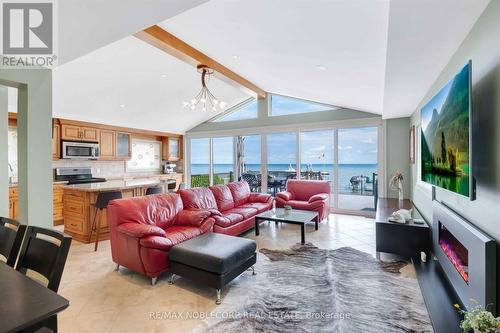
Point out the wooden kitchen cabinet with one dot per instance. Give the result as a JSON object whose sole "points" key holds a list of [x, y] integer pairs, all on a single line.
{"points": [[172, 148], [57, 205], [13, 203], [56, 142], [79, 133], [107, 145]]}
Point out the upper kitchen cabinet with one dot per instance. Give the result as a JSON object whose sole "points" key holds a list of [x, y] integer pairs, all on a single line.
{"points": [[123, 150], [79, 133], [107, 145], [172, 148]]}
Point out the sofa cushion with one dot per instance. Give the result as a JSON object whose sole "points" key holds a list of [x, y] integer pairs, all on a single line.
{"points": [[228, 219], [246, 212], [214, 253], [240, 191], [304, 189], [173, 236], [198, 198], [297, 204], [260, 206], [223, 197], [259, 197], [160, 210]]}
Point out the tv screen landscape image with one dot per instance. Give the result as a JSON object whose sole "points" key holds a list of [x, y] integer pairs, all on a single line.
{"points": [[445, 148]]}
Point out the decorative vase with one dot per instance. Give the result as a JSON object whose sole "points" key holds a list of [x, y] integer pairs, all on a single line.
{"points": [[400, 190]]}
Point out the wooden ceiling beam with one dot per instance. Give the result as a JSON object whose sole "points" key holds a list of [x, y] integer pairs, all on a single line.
{"points": [[172, 45]]}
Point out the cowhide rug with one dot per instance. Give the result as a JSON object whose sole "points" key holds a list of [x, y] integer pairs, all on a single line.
{"points": [[307, 289]]}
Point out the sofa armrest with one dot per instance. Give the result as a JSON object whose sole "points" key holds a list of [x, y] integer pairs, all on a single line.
{"points": [[192, 217], [207, 225], [137, 230], [259, 197], [318, 197], [286, 196]]}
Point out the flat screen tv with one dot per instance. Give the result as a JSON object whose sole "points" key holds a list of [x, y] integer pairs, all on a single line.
{"points": [[446, 136]]}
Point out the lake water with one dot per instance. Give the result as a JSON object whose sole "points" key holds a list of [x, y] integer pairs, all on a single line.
{"points": [[346, 171]]}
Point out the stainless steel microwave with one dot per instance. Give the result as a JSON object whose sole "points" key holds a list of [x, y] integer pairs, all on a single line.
{"points": [[80, 150]]}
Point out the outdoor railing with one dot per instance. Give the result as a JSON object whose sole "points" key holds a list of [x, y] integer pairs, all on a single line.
{"points": [[219, 179]]}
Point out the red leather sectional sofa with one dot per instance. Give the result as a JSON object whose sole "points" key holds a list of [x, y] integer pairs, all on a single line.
{"points": [[144, 229], [234, 205]]}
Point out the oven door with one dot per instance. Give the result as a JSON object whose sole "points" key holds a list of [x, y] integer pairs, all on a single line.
{"points": [[80, 150]]}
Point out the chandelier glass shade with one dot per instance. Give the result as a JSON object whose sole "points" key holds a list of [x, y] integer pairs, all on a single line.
{"points": [[205, 98]]}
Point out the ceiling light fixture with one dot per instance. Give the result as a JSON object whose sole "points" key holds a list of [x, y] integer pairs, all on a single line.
{"points": [[122, 106], [163, 75], [235, 57], [321, 67], [205, 98]]}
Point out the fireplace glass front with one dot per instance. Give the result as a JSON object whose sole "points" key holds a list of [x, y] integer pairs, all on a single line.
{"points": [[455, 251]]}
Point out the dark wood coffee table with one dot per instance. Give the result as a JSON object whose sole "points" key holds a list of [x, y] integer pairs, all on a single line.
{"points": [[295, 216]]}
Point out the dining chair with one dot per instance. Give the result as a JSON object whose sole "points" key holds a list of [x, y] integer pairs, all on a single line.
{"points": [[101, 203], [45, 252], [154, 190], [11, 237]]}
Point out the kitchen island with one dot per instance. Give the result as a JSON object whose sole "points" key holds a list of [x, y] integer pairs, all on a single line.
{"points": [[78, 201]]}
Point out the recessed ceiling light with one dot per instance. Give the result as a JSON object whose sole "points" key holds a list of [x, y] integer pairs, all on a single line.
{"points": [[235, 56], [163, 75], [320, 67], [122, 105]]}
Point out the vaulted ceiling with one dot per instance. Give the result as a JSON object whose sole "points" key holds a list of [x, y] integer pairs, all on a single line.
{"points": [[378, 56]]}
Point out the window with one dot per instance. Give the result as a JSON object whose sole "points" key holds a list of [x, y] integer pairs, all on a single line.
{"points": [[281, 106], [281, 160], [223, 160], [245, 110], [200, 162], [145, 156]]}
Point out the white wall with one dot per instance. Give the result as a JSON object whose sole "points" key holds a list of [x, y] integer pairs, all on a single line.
{"points": [[34, 143], [482, 47]]}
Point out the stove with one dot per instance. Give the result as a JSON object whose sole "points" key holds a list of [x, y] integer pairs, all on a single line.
{"points": [[76, 176]]}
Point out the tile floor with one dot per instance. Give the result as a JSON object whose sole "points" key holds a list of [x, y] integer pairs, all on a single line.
{"points": [[103, 300]]}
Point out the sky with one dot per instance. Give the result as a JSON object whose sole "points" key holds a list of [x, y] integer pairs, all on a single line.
{"points": [[280, 106], [355, 146], [435, 103]]}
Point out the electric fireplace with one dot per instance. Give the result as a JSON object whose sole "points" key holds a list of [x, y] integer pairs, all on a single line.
{"points": [[466, 255], [455, 251]]}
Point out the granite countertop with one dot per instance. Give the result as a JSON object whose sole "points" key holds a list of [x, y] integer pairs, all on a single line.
{"points": [[129, 181], [114, 185]]}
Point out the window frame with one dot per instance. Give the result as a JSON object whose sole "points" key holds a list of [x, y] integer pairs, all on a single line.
{"points": [[220, 117], [329, 107]]}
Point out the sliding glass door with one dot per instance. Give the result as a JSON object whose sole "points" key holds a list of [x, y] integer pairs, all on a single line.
{"points": [[248, 155], [200, 162], [316, 156], [347, 157], [357, 168], [281, 160], [222, 160]]}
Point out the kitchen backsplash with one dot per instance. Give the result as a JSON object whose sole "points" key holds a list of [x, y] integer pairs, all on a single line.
{"points": [[107, 169]]}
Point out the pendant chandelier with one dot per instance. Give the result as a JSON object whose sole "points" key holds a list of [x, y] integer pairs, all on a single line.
{"points": [[205, 98]]}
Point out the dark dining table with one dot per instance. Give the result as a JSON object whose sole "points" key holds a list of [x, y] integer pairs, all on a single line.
{"points": [[25, 302]]}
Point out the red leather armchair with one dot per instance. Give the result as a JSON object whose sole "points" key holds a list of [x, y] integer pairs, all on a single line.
{"points": [[306, 195], [143, 229]]}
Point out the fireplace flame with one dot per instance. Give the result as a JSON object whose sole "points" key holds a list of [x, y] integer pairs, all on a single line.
{"points": [[455, 260]]}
